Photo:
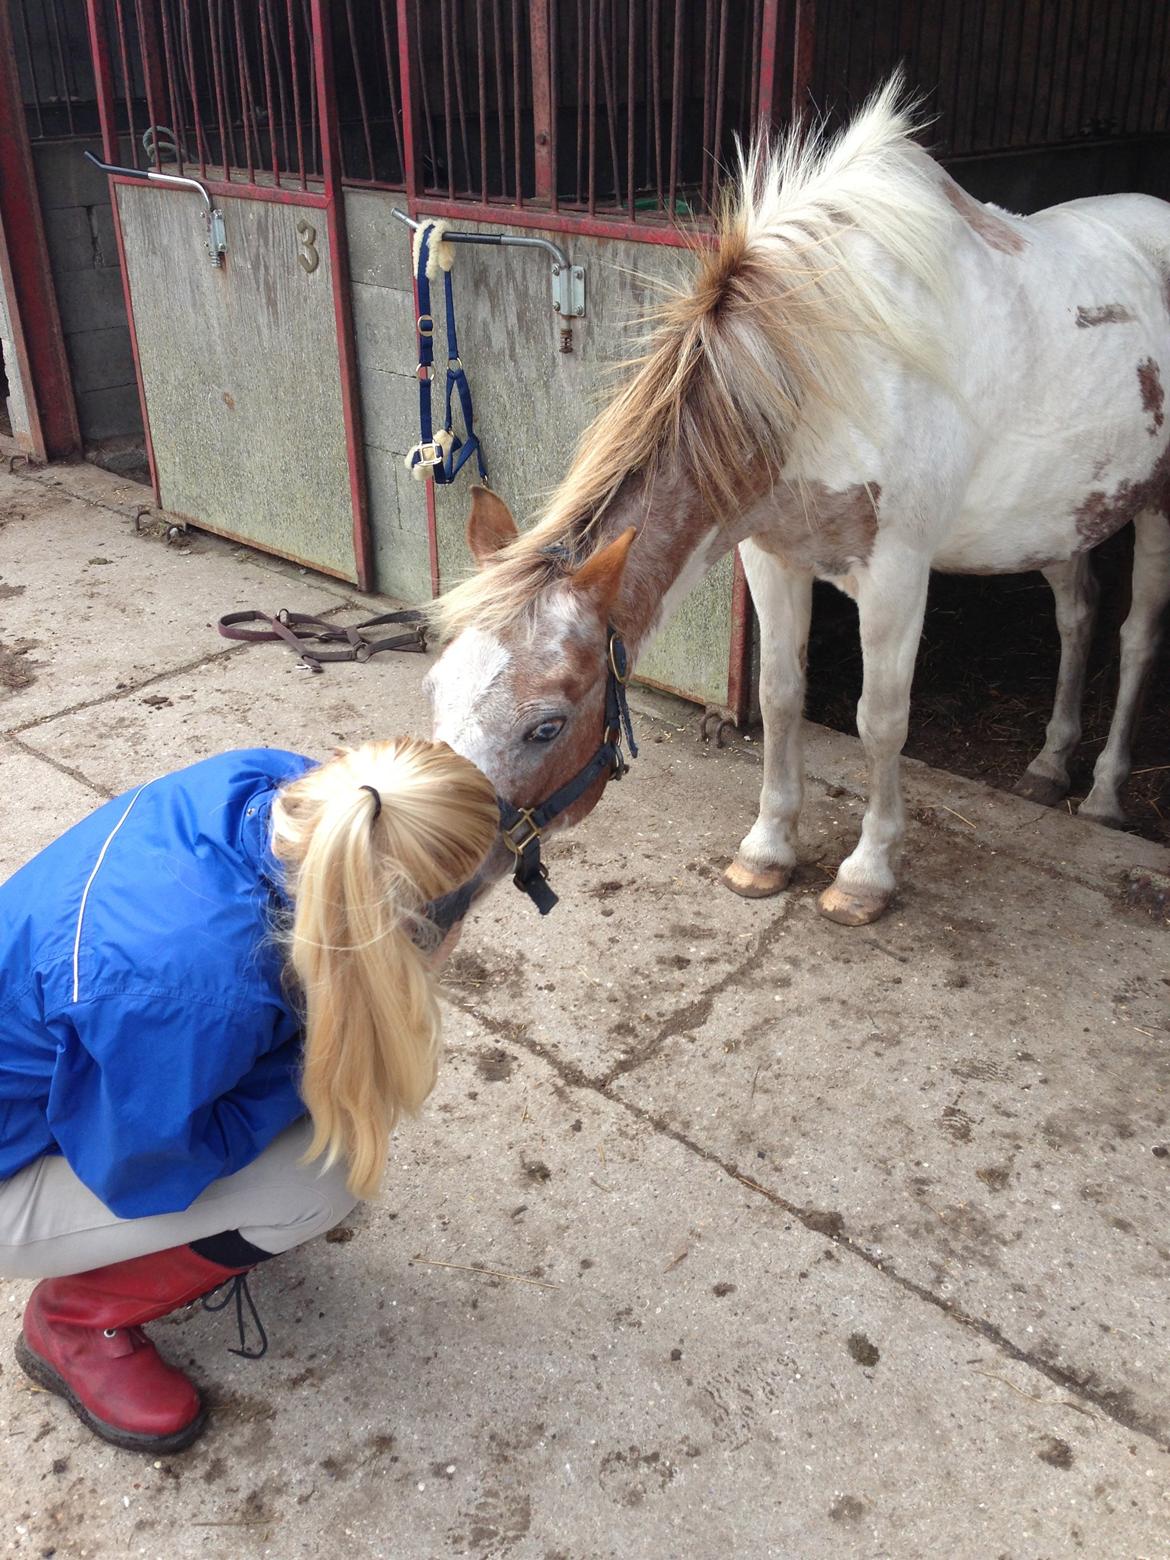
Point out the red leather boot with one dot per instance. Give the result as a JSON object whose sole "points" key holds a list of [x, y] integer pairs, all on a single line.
{"points": [[83, 1339]]}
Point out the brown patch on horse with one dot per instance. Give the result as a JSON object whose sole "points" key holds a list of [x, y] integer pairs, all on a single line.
{"points": [[826, 530], [992, 229], [1153, 395], [1100, 514], [1103, 314]]}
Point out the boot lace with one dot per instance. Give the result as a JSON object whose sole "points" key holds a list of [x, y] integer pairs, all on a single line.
{"points": [[236, 1288]]}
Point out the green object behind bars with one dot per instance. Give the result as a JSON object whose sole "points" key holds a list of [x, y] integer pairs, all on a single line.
{"points": [[682, 208]]}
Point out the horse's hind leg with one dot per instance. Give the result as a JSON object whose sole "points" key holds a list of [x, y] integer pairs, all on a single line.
{"points": [[891, 599], [783, 601], [1074, 585], [1140, 634]]}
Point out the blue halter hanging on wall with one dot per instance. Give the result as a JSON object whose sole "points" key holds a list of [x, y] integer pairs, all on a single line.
{"points": [[440, 456]]}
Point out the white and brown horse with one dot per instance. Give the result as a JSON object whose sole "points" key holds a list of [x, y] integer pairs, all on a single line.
{"points": [[872, 375]]}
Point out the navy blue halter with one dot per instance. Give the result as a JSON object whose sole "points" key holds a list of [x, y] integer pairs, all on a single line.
{"points": [[445, 467]]}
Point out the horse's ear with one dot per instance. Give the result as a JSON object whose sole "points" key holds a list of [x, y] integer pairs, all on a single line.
{"points": [[490, 525], [600, 577]]}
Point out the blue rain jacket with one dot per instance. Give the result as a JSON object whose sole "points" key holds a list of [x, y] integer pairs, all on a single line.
{"points": [[145, 1032]]}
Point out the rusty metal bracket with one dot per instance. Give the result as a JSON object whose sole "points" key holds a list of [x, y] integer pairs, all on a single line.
{"points": [[212, 216], [716, 723]]}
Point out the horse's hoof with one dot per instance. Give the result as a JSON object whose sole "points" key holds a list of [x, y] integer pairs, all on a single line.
{"points": [[756, 882], [1107, 820], [1039, 788], [853, 909]]}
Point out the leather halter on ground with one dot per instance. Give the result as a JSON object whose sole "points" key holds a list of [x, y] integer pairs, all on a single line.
{"points": [[300, 629]]}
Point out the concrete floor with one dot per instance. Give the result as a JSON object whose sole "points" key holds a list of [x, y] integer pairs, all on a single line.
{"points": [[727, 1232]]}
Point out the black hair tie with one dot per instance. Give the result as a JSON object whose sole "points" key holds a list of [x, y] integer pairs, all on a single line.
{"points": [[377, 800]]}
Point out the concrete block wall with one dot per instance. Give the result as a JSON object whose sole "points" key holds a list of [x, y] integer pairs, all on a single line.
{"points": [[83, 255], [532, 403]]}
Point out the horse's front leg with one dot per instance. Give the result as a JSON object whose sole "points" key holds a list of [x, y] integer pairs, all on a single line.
{"points": [[891, 599], [783, 601]]}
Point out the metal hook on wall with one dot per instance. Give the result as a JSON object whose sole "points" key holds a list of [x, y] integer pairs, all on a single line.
{"points": [[568, 280]]}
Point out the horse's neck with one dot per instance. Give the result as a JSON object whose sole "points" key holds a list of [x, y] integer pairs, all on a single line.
{"points": [[677, 544], [824, 519]]}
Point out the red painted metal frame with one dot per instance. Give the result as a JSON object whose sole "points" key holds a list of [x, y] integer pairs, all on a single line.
{"points": [[769, 40], [104, 85], [151, 51], [275, 195], [220, 189], [538, 18], [562, 221], [36, 322], [804, 34], [322, 35], [739, 651], [408, 81]]}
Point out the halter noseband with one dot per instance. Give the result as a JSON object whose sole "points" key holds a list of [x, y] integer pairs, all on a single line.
{"points": [[522, 827]]}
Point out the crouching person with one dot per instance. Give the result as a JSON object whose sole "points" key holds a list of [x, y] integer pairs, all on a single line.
{"points": [[217, 996]]}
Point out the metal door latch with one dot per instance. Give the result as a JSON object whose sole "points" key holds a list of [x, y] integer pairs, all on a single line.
{"points": [[216, 237]]}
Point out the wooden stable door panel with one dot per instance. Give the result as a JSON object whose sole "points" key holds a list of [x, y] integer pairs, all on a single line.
{"points": [[240, 370]]}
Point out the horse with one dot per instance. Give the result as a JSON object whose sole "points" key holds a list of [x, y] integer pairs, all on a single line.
{"points": [[870, 375]]}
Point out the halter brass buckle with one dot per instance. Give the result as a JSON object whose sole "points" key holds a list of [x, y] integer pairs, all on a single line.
{"points": [[613, 639], [518, 847]]}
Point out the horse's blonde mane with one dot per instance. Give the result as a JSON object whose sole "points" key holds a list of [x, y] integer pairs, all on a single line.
{"points": [[764, 334]]}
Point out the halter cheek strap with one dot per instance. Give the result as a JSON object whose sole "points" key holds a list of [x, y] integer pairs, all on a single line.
{"points": [[521, 827]]}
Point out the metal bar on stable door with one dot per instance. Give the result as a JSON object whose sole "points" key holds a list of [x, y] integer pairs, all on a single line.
{"points": [[542, 98], [322, 36]]}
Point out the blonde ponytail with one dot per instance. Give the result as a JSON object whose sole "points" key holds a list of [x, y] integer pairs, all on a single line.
{"points": [[359, 868]]}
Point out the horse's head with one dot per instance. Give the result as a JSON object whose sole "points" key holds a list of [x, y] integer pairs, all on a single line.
{"points": [[523, 692]]}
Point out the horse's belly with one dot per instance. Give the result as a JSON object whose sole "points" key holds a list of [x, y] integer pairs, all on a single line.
{"points": [[1029, 507], [1044, 527], [998, 544]]}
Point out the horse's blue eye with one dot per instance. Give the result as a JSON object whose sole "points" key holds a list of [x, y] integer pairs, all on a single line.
{"points": [[546, 731]]}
